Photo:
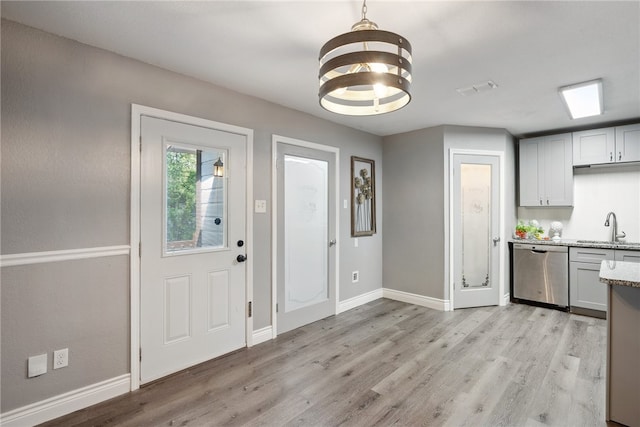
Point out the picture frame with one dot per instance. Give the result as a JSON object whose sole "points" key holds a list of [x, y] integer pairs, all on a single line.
{"points": [[363, 197]]}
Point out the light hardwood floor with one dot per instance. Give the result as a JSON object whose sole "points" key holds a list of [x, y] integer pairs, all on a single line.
{"points": [[390, 363]]}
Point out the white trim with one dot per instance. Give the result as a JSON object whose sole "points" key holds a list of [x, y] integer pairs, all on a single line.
{"points": [[136, 112], [359, 300], [62, 255], [262, 335], [66, 403], [421, 300], [501, 208], [506, 299], [275, 139]]}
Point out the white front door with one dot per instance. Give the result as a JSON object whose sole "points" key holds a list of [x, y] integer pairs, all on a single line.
{"points": [[306, 250], [192, 283], [476, 230]]}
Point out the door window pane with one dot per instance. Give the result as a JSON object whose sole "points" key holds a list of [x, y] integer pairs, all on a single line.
{"points": [[475, 181], [306, 241], [194, 200]]}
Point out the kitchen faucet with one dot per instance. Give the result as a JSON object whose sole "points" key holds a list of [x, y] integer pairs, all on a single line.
{"points": [[614, 228]]}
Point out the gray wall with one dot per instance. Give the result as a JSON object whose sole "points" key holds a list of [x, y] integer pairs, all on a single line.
{"points": [[413, 256], [416, 205], [65, 178]]}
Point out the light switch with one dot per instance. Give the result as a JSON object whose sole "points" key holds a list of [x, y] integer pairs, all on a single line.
{"points": [[355, 242], [37, 365], [261, 206], [346, 204]]}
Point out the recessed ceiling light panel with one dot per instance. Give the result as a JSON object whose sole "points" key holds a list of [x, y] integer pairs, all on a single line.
{"points": [[583, 99]]}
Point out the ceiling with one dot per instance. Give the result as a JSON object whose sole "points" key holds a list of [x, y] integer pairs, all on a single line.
{"points": [[269, 49]]}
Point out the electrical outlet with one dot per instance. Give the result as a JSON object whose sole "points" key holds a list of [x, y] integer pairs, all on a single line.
{"points": [[355, 276], [60, 358], [37, 365]]}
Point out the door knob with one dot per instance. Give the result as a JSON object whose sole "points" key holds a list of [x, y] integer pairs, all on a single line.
{"points": [[332, 242], [241, 258], [495, 241]]}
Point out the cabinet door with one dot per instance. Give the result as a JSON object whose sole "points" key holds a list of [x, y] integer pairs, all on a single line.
{"points": [[628, 256], [557, 170], [628, 143], [529, 178], [585, 288], [596, 146]]}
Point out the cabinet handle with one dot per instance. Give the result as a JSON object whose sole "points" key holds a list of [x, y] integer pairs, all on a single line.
{"points": [[547, 201], [611, 156], [619, 155], [540, 202]]}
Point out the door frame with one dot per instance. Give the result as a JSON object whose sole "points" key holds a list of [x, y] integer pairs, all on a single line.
{"points": [[501, 220], [136, 112], [275, 140]]}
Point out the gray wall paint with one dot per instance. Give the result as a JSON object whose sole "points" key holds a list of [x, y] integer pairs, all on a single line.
{"points": [[413, 256], [81, 305], [65, 178], [416, 240]]}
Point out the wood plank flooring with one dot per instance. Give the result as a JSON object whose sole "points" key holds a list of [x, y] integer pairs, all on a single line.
{"points": [[389, 363]]}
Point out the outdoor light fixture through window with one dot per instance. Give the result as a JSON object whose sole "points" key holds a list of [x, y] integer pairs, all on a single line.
{"points": [[583, 99], [218, 168], [366, 71]]}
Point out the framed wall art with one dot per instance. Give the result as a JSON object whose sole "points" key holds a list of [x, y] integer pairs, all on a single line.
{"points": [[363, 197]]}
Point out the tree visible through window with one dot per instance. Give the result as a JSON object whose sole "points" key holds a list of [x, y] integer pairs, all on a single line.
{"points": [[182, 176]]}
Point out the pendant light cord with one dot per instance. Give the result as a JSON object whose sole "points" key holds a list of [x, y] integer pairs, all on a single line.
{"points": [[364, 10]]}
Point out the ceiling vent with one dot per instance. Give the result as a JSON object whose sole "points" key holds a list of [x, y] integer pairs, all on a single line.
{"points": [[477, 88]]}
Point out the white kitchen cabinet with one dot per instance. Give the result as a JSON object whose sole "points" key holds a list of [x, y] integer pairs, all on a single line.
{"points": [[628, 143], [607, 146], [628, 256], [546, 171], [594, 146], [585, 289]]}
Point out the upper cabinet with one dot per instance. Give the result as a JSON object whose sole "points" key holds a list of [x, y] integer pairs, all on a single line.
{"points": [[546, 171], [628, 143], [608, 145]]}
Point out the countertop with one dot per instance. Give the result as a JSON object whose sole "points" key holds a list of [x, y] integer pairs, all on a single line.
{"points": [[620, 273], [582, 243]]}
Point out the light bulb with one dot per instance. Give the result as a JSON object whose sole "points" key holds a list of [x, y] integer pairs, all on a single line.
{"points": [[378, 88]]}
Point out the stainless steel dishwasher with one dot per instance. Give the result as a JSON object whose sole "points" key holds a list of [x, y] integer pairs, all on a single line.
{"points": [[541, 273]]}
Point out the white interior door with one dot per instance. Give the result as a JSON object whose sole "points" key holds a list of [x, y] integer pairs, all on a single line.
{"points": [[476, 230], [192, 283], [306, 262]]}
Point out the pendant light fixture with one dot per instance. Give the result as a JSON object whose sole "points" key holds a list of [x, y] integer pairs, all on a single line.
{"points": [[366, 71]]}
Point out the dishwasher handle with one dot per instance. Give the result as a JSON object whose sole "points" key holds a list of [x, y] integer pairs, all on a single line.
{"points": [[538, 251]]}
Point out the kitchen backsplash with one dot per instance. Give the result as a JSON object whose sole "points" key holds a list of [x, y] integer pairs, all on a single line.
{"points": [[597, 191]]}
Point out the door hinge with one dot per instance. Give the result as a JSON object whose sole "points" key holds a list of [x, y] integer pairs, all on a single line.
{"points": [[139, 249], [250, 309], [140, 354], [140, 145], [276, 307]]}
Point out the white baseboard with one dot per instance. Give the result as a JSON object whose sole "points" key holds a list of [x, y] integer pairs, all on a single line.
{"points": [[66, 403], [262, 335], [421, 300], [506, 299], [356, 301]]}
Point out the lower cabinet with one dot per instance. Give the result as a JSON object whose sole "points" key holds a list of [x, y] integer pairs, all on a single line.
{"points": [[585, 289], [586, 292]]}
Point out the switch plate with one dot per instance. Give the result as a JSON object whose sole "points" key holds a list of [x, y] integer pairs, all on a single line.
{"points": [[355, 276], [61, 358], [37, 365], [355, 242], [261, 206], [345, 204]]}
